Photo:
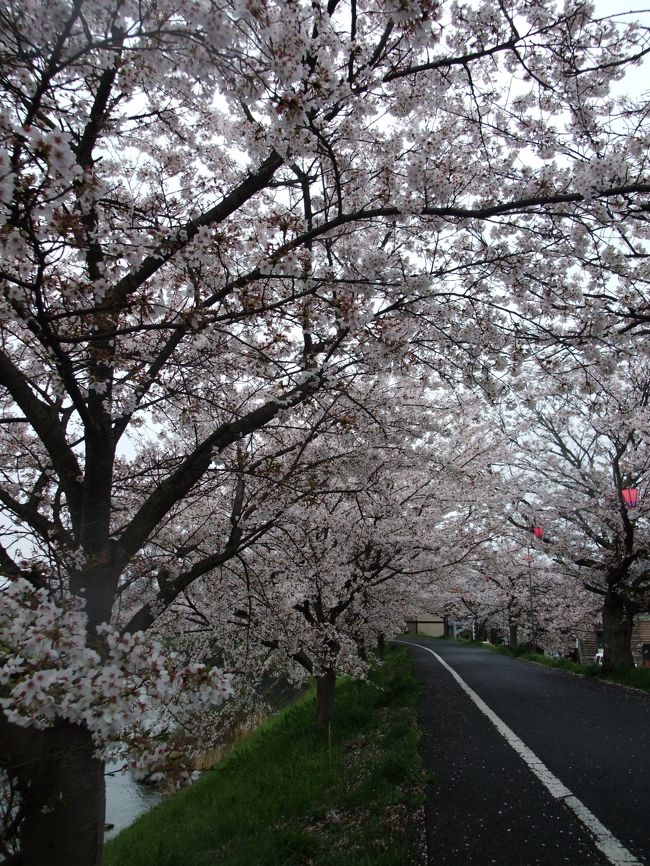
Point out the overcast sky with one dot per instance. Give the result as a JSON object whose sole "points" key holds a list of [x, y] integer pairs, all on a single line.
{"points": [[637, 79]]}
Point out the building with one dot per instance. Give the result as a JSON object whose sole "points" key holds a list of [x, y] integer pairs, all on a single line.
{"points": [[430, 624], [590, 640]]}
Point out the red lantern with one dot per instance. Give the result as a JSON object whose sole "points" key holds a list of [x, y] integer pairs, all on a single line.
{"points": [[539, 531], [631, 497]]}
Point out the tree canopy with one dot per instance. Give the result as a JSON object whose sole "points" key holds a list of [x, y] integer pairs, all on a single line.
{"points": [[226, 226]]}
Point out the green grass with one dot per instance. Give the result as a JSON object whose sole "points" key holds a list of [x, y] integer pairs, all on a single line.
{"points": [[638, 678], [522, 652], [292, 796]]}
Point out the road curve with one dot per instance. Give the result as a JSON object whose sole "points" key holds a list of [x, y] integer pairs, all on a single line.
{"points": [[583, 797]]}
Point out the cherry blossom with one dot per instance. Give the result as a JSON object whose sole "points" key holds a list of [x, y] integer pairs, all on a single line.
{"points": [[227, 226], [579, 441]]}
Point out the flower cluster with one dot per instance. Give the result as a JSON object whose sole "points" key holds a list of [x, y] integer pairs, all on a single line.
{"points": [[48, 669]]}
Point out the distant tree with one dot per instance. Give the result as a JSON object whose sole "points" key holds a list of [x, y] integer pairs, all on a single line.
{"points": [[526, 600], [581, 441], [344, 540]]}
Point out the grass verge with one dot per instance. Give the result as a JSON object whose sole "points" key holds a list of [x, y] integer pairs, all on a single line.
{"points": [[638, 678], [291, 795]]}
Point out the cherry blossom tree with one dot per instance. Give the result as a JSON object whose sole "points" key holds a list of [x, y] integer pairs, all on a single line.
{"points": [[214, 211], [366, 521], [580, 443], [335, 576], [519, 594]]}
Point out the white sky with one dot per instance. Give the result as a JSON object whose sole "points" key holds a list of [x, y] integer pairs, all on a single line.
{"points": [[636, 79]]}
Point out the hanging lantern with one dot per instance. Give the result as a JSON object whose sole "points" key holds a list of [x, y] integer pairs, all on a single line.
{"points": [[630, 497], [538, 531]]}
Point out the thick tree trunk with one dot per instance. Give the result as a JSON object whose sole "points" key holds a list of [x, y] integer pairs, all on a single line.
{"points": [[325, 690], [64, 800], [618, 618]]}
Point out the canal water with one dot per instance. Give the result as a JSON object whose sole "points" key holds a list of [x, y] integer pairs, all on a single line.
{"points": [[126, 799]]}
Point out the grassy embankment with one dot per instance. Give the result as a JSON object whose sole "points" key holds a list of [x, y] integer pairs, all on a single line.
{"points": [[293, 795]]}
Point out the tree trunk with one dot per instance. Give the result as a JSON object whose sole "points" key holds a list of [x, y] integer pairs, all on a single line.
{"points": [[381, 646], [325, 689], [513, 636], [64, 802], [618, 619], [479, 629]]}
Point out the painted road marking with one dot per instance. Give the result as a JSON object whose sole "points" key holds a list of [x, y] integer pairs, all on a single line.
{"points": [[616, 853]]}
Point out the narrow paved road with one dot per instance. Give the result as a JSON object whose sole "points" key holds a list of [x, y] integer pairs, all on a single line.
{"points": [[485, 803]]}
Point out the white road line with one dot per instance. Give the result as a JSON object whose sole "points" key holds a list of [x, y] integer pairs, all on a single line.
{"points": [[605, 841]]}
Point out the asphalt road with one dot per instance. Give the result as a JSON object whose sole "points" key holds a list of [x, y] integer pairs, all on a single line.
{"points": [[484, 802]]}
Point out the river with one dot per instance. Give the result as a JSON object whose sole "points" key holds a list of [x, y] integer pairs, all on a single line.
{"points": [[126, 799]]}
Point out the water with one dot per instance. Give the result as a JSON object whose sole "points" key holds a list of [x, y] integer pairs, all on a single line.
{"points": [[126, 799]]}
